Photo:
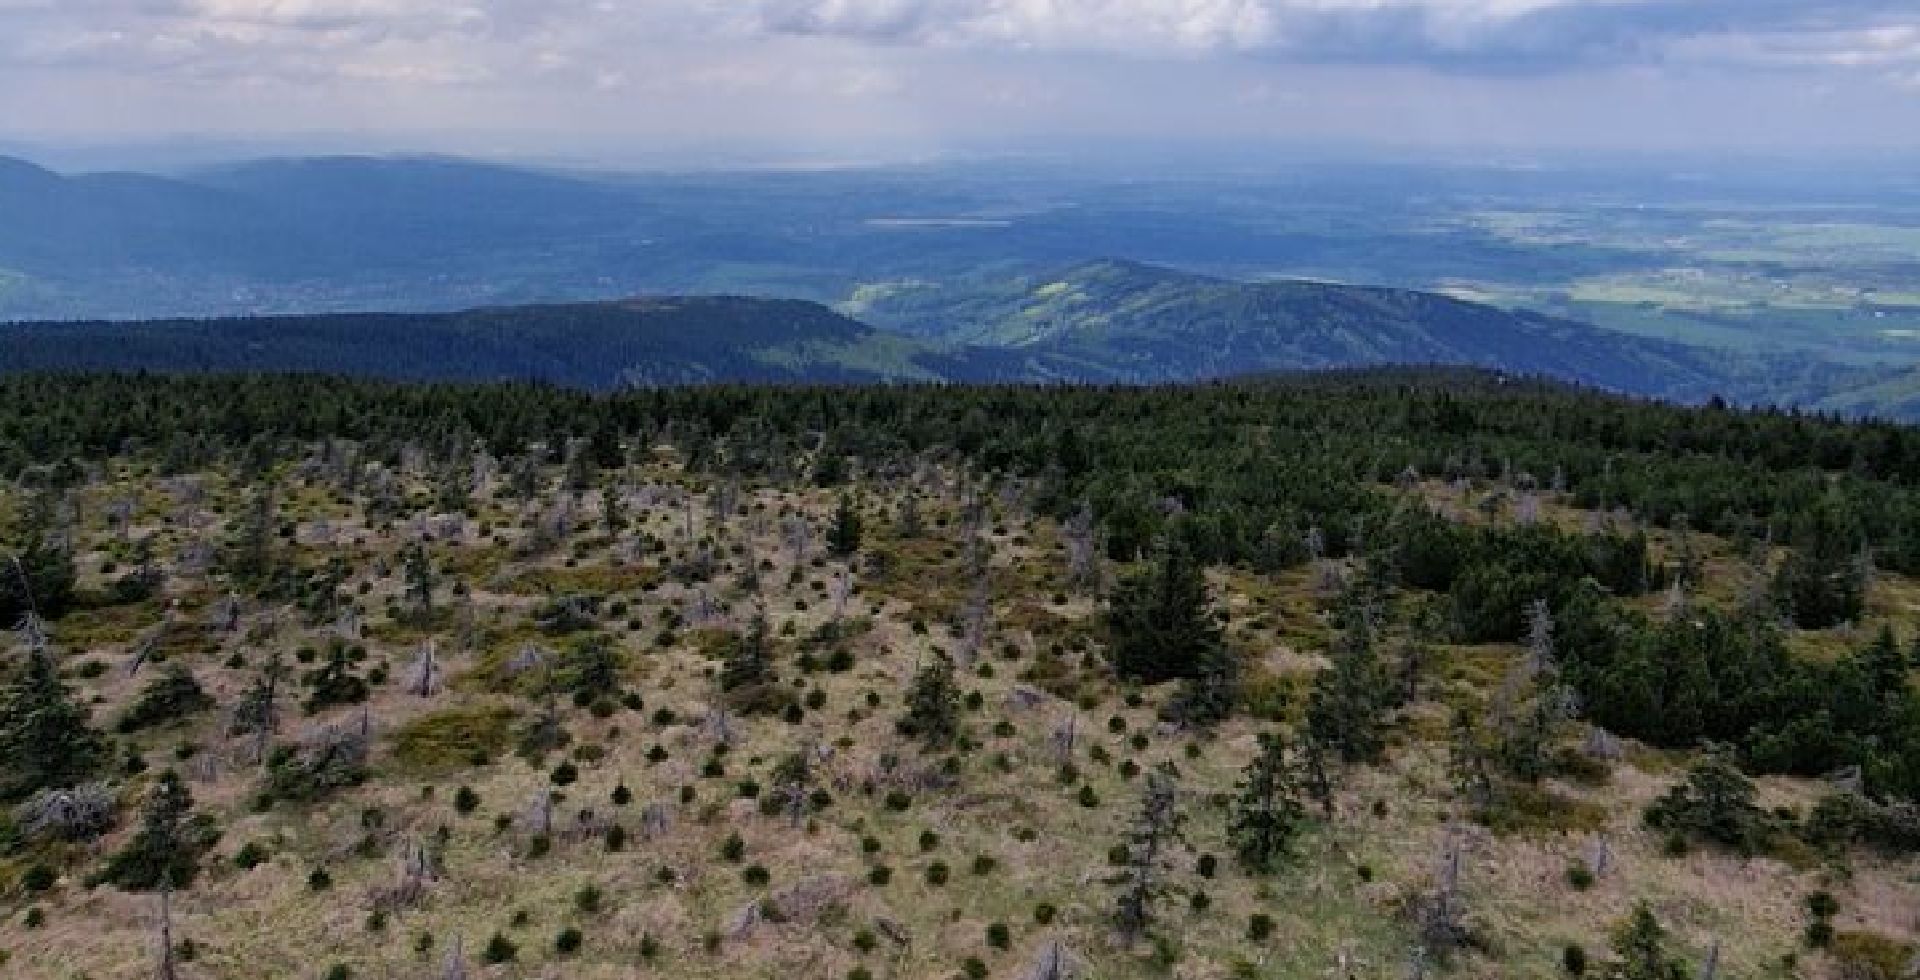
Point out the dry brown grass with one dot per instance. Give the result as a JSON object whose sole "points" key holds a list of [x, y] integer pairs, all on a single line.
{"points": [[1337, 907]]}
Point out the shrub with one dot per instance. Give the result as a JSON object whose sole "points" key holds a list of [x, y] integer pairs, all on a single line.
{"points": [[1573, 959], [999, 936], [39, 877], [250, 856], [568, 941], [588, 899], [1260, 927], [937, 873], [1579, 876], [499, 949]]}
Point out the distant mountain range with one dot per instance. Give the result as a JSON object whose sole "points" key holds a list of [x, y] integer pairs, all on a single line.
{"points": [[1101, 322], [892, 276]]}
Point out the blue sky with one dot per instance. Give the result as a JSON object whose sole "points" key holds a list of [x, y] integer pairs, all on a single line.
{"points": [[893, 79]]}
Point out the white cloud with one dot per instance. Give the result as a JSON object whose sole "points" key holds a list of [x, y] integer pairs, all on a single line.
{"points": [[916, 66]]}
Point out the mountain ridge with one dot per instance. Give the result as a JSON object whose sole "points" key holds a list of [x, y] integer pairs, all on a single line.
{"points": [[1195, 328]]}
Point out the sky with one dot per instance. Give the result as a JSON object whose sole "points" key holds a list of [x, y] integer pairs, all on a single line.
{"points": [[864, 80]]}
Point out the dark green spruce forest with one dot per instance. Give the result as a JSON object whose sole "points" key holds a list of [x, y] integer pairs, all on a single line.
{"points": [[1376, 673]]}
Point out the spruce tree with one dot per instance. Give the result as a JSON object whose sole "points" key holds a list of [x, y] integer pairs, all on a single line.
{"points": [[1159, 622], [165, 851], [45, 742], [591, 668], [933, 704], [250, 546], [167, 699], [420, 581], [334, 682], [843, 538], [1640, 950], [1267, 817], [258, 712], [748, 663], [1347, 707], [1715, 802], [36, 576]]}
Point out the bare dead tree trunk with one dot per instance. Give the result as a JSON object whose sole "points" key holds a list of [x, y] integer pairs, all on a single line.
{"points": [[167, 969], [1053, 963], [455, 966]]}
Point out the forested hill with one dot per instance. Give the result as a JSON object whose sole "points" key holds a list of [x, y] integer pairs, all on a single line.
{"points": [[1102, 323], [595, 346], [1132, 322]]}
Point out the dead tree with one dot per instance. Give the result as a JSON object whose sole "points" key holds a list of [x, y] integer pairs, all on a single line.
{"points": [[32, 631], [1440, 917], [796, 533], [1064, 737], [1052, 963], [424, 677], [226, 616], [842, 591], [82, 813], [166, 969], [144, 650], [1083, 558], [1141, 878], [1600, 856], [976, 617], [120, 517], [538, 817], [454, 967]]}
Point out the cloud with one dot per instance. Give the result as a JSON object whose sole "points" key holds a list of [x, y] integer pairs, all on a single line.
{"points": [[498, 38], [1466, 35], [919, 71]]}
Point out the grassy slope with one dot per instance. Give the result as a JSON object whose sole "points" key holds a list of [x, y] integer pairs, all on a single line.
{"points": [[1334, 919]]}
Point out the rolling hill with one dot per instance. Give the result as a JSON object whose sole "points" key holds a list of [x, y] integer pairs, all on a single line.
{"points": [[1125, 321], [1104, 322], [587, 345]]}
